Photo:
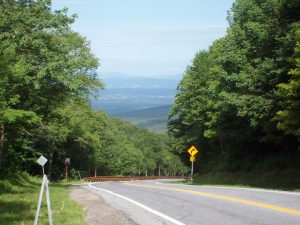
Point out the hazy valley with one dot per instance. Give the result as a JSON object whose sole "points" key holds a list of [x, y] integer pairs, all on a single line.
{"points": [[144, 101]]}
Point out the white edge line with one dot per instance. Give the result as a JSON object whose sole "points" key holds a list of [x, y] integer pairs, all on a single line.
{"points": [[237, 188], [140, 205]]}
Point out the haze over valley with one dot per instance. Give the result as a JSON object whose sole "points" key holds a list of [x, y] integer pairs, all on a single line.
{"points": [[138, 99]]}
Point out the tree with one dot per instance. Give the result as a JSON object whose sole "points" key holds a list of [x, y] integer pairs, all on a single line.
{"points": [[288, 117], [46, 64], [232, 96]]}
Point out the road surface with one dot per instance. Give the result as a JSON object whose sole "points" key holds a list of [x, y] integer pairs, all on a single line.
{"points": [[157, 202]]}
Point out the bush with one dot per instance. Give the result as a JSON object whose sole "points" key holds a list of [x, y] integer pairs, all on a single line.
{"points": [[6, 187]]}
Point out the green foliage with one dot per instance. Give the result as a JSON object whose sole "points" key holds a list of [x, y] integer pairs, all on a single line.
{"points": [[129, 150], [239, 100], [44, 65], [282, 180], [154, 119], [5, 186], [19, 200], [288, 116], [47, 76]]}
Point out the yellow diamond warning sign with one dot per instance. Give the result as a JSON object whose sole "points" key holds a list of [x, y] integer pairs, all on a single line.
{"points": [[193, 151]]}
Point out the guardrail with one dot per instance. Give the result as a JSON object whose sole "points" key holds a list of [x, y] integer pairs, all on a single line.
{"points": [[111, 178]]}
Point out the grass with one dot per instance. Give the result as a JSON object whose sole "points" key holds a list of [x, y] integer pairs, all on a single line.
{"points": [[280, 180], [19, 197]]}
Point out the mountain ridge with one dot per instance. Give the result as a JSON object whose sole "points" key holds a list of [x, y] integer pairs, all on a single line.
{"points": [[154, 119]]}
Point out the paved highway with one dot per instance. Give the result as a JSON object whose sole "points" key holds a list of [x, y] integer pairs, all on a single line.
{"points": [[157, 202]]}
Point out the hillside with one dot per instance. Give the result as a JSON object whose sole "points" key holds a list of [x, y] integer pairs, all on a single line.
{"points": [[154, 119], [126, 93], [123, 100]]}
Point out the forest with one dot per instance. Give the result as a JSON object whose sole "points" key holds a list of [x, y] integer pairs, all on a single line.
{"points": [[239, 100], [48, 75]]}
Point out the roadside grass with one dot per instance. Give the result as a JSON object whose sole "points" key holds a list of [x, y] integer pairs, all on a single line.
{"points": [[19, 197], [280, 180]]}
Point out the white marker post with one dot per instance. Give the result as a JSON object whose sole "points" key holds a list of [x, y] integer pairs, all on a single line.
{"points": [[67, 164], [79, 175], [42, 161]]}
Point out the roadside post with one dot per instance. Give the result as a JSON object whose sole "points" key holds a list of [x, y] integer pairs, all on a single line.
{"points": [[67, 164], [79, 175], [192, 151], [45, 184]]}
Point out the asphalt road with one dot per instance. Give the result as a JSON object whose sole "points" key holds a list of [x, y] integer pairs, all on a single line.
{"points": [[157, 202]]}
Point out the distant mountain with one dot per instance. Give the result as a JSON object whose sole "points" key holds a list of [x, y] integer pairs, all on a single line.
{"points": [[154, 119], [117, 81], [114, 101], [142, 100], [125, 93]]}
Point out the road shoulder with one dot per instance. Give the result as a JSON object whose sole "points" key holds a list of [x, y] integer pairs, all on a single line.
{"points": [[97, 211]]}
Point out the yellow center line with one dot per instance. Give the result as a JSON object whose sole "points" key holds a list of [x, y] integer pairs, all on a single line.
{"points": [[233, 199]]}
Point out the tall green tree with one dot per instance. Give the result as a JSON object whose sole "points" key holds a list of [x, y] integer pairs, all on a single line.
{"points": [[288, 117], [232, 96], [46, 64]]}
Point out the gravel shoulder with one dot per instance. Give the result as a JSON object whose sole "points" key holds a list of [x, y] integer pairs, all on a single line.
{"points": [[97, 211]]}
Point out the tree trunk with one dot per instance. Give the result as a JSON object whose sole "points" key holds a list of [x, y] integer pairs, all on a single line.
{"points": [[2, 135], [221, 143], [146, 173], [66, 172], [51, 152], [159, 170], [95, 171]]}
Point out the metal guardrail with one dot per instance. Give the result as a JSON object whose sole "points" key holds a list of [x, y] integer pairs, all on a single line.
{"points": [[111, 178]]}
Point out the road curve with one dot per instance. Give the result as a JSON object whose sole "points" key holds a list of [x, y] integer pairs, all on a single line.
{"points": [[157, 202]]}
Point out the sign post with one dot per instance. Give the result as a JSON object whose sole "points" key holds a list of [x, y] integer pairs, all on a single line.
{"points": [[192, 151], [45, 184], [67, 164], [79, 175], [192, 171]]}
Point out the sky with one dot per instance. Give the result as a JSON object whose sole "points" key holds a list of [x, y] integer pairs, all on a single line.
{"points": [[148, 38]]}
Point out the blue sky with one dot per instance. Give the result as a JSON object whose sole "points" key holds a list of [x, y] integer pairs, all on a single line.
{"points": [[151, 38]]}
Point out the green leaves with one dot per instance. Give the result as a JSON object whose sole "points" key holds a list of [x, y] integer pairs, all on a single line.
{"points": [[44, 66], [13, 116], [242, 94], [47, 75], [288, 117]]}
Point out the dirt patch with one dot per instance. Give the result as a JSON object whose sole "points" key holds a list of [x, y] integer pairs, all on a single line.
{"points": [[97, 211]]}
